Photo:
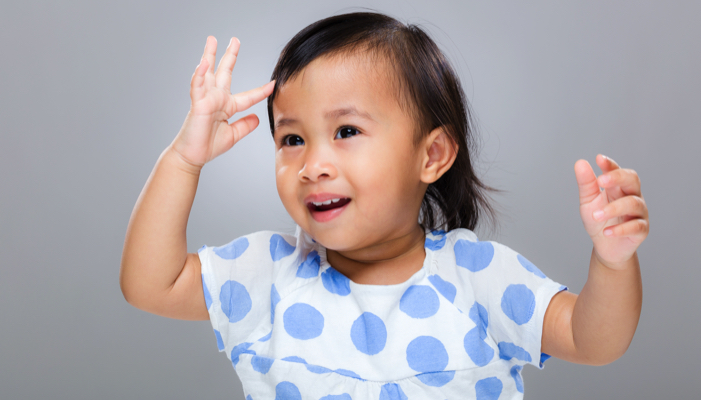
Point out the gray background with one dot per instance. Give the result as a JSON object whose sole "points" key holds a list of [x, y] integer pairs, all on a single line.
{"points": [[92, 92]]}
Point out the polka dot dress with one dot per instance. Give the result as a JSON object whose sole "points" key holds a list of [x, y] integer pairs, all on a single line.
{"points": [[295, 328]]}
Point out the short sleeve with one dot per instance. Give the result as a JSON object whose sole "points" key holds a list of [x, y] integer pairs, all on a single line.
{"points": [[517, 304], [504, 293], [238, 284]]}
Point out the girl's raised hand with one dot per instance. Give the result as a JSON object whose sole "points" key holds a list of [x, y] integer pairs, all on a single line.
{"points": [[616, 218], [206, 132]]}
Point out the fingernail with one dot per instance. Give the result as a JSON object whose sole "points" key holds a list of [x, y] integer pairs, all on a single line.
{"points": [[604, 179], [608, 232], [598, 214]]}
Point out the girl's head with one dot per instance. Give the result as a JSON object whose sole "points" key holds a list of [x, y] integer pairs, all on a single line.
{"points": [[369, 111]]}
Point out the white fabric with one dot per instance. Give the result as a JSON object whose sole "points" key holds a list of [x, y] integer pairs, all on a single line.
{"points": [[295, 328]]}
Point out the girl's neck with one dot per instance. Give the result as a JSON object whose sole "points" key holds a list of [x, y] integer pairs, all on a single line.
{"points": [[386, 263]]}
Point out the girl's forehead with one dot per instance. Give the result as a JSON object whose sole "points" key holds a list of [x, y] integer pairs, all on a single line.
{"points": [[355, 69], [343, 77]]}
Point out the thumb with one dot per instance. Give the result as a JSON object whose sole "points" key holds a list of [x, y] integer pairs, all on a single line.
{"points": [[586, 180]]}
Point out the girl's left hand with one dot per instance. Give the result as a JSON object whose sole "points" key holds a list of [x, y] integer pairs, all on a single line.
{"points": [[624, 212]]}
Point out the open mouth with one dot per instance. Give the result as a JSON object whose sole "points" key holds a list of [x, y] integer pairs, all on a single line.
{"points": [[328, 204]]}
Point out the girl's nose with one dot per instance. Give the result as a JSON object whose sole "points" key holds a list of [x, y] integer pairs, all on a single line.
{"points": [[318, 166]]}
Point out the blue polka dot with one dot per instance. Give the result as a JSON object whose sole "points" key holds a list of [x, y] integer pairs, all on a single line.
{"points": [[434, 244], [303, 321], [295, 359], [310, 267], [426, 354], [249, 397], [479, 351], [478, 314], [518, 303], [369, 333], [235, 301], [274, 299], [516, 374], [419, 301], [317, 369], [529, 266], [561, 288], [445, 288], [488, 388], [507, 351], [233, 249], [279, 248], [220, 341], [262, 364], [266, 337], [392, 391], [474, 256], [344, 396], [335, 282], [201, 248], [436, 379], [240, 349], [287, 391], [207, 295], [348, 373], [543, 358]]}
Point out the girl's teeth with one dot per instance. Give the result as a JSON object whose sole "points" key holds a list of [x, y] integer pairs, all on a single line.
{"points": [[327, 202]]}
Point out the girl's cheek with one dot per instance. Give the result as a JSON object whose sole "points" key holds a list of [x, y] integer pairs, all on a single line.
{"points": [[281, 170], [284, 183]]}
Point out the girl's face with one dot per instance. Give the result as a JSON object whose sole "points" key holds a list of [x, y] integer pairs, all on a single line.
{"points": [[342, 138]]}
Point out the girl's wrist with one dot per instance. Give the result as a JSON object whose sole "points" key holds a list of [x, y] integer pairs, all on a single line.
{"points": [[172, 156], [621, 266]]}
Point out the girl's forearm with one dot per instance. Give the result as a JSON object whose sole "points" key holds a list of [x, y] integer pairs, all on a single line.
{"points": [[155, 247], [607, 311]]}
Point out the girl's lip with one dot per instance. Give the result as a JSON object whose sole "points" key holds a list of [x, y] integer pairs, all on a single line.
{"points": [[322, 197], [328, 215]]}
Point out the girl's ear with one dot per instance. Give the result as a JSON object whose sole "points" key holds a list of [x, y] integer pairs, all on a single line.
{"points": [[438, 152]]}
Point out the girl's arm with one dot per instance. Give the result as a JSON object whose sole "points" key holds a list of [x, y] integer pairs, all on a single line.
{"points": [[157, 274], [597, 326]]}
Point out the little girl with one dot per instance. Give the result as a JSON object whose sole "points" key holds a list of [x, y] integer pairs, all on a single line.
{"points": [[384, 292]]}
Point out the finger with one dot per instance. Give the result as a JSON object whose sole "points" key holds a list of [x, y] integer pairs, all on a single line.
{"points": [[627, 180], [605, 163], [243, 126], [244, 100], [632, 206], [228, 135], [635, 227], [197, 82], [210, 54], [226, 65], [586, 180]]}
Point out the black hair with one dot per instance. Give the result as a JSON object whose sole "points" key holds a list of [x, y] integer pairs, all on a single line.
{"points": [[427, 87]]}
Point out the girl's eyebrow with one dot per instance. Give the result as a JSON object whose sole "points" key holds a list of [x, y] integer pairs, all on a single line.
{"points": [[347, 111], [334, 114]]}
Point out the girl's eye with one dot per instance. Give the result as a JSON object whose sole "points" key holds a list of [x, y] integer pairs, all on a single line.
{"points": [[292, 140], [346, 132]]}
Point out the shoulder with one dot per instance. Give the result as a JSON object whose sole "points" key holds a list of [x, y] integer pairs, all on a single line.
{"points": [[479, 268], [463, 248], [475, 255], [262, 245]]}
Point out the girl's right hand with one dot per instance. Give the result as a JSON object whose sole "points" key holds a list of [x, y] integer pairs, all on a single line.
{"points": [[206, 132]]}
